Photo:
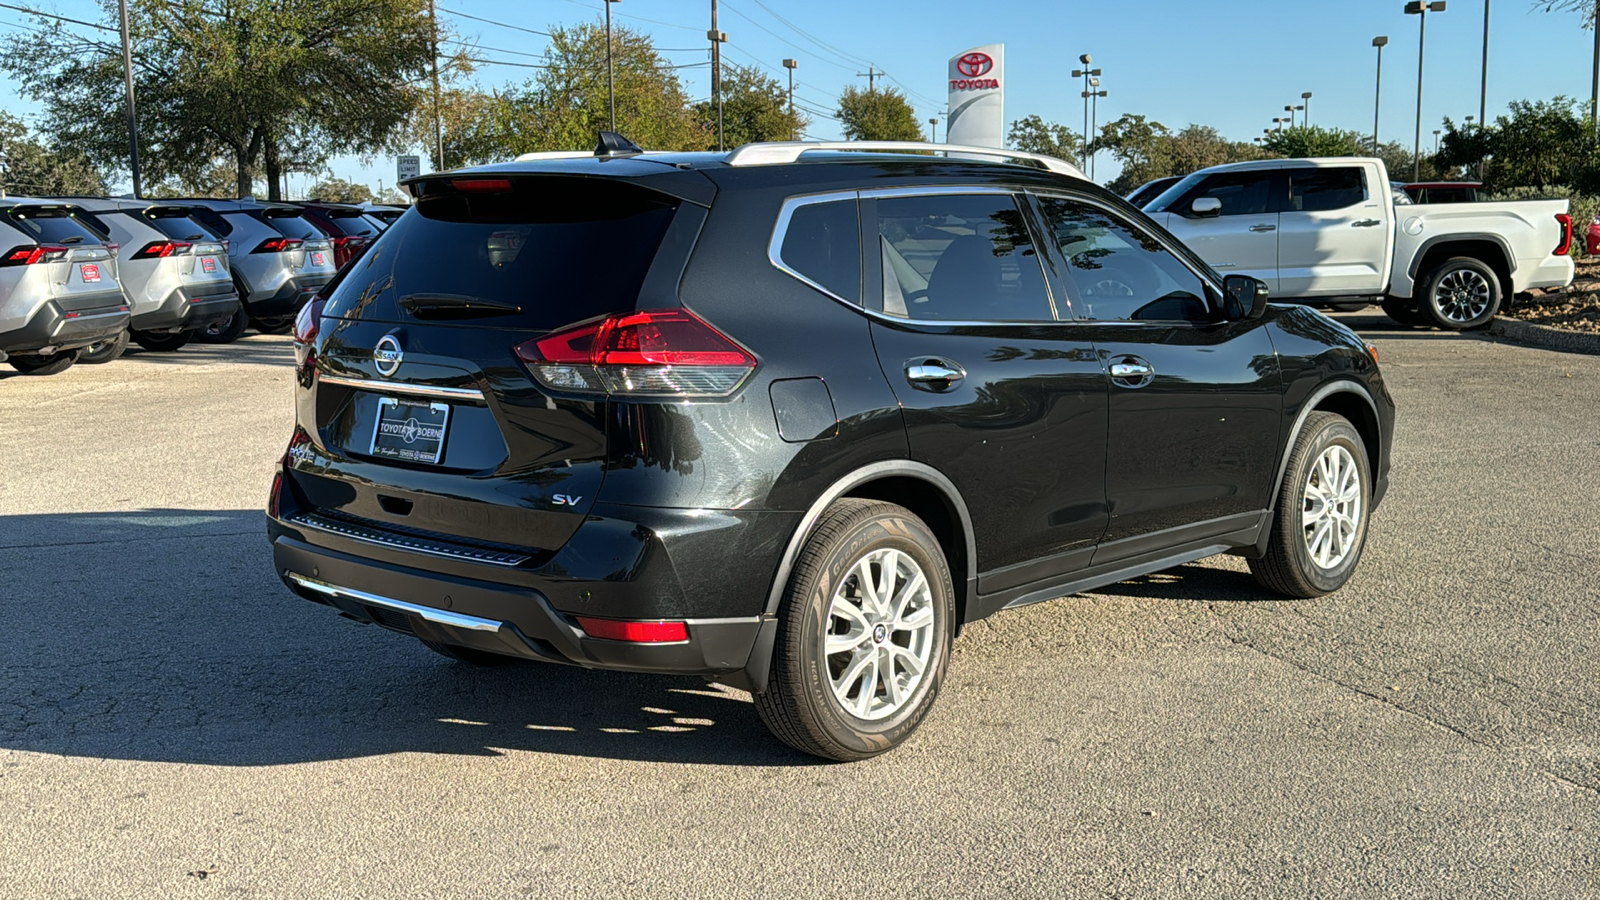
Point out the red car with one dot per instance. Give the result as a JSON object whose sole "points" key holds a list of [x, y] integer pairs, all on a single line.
{"points": [[346, 225]]}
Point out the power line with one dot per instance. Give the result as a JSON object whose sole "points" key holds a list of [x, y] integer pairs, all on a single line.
{"points": [[782, 38], [493, 22], [45, 15], [855, 60], [638, 18], [494, 49]]}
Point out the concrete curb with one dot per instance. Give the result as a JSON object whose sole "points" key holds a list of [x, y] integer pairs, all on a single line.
{"points": [[1521, 332]]}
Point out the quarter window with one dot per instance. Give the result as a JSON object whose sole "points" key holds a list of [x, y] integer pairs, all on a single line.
{"points": [[823, 244], [1315, 190], [1116, 272], [966, 257]]}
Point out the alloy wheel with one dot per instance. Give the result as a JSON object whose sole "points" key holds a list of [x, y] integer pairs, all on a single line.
{"points": [[1330, 515], [1462, 295], [880, 634]]}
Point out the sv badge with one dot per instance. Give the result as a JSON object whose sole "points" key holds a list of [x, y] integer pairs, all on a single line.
{"points": [[567, 500]]}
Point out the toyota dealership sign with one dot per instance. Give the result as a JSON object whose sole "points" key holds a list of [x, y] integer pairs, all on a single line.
{"points": [[977, 97]]}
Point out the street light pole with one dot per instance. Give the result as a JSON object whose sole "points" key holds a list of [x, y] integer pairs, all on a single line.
{"points": [[611, 85], [1420, 9], [1094, 115], [1436, 142], [133, 117], [791, 65], [1290, 110], [1380, 42], [438, 122], [1594, 97], [1307, 107], [933, 130], [1086, 73], [1483, 86]]}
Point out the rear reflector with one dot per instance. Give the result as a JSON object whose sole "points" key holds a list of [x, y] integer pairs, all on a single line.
{"points": [[651, 353], [1564, 245], [635, 632]]}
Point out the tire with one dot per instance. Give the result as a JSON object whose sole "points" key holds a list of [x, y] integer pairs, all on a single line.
{"points": [[105, 351], [1349, 307], [469, 655], [1461, 293], [1401, 311], [1291, 566], [225, 332], [845, 716], [54, 364], [162, 343], [273, 324]]}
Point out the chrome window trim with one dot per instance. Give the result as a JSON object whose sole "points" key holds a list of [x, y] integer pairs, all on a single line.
{"points": [[402, 387], [786, 212], [1181, 255], [428, 613]]}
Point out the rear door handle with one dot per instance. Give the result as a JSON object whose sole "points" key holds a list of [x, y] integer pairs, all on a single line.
{"points": [[934, 375], [1367, 223], [1263, 228]]}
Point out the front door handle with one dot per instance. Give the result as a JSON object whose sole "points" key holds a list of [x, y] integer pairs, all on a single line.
{"points": [[1263, 228], [1368, 223], [936, 375], [1132, 372]]}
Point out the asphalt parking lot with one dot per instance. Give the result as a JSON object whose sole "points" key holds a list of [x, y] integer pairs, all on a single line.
{"points": [[173, 723]]}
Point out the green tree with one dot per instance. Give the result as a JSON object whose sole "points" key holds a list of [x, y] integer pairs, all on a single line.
{"points": [[1545, 142], [1201, 146], [755, 107], [877, 115], [1148, 150], [29, 166], [1031, 134], [279, 84], [1304, 141], [338, 190]]}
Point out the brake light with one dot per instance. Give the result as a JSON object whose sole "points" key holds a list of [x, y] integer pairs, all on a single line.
{"points": [[307, 323], [634, 632], [652, 353], [1564, 246], [482, 185], [274, 504], [277, 245], [162, 250], [29, 254]]}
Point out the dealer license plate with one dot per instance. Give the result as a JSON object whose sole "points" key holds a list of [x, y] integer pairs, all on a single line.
{"points": [[412, 431]]}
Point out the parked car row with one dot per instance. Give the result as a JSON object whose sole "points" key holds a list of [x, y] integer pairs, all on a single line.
{"points": [[86, 276]]}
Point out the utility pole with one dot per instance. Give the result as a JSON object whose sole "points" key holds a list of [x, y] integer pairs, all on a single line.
{"points": [[871, 75], [438, 123], [133, 117], [717, 38], [791, 65]]}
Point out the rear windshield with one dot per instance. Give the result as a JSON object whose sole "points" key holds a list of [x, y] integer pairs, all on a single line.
{"points": [[213, 220], [560, 250], [352, 222], [51, 225], [176, 224], [290, 224]]}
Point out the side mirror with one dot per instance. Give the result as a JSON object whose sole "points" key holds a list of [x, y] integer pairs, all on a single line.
{"points": [[1205, 207], [1246, 297]]}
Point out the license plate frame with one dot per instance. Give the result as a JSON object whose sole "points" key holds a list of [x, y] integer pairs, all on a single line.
{"points": [[409, 439]]}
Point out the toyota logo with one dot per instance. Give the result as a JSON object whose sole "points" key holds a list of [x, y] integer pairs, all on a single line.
{"points": [[386, 356], [974, 64]]}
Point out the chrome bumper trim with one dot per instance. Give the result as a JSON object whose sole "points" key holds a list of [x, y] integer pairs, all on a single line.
{"points": [[401, 387], [428, 613]]}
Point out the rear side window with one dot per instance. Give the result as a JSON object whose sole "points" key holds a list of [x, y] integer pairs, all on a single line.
{"points": [[559, 250], [93, 223], [50, 225], [823, 245], [1315, 190], [960, 258]]}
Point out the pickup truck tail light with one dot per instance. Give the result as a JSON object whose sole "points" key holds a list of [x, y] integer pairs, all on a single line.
{"points": [[1564, 245]]}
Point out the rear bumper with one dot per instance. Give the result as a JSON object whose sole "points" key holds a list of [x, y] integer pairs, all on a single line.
{"points": [[286, 300], [185, 310], [1547, 272], [52, 328]]}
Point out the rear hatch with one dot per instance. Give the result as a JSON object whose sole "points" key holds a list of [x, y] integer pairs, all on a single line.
{"points": [[199, 256], [431, 419], [354, 232], [308, 252], [80, 268]]}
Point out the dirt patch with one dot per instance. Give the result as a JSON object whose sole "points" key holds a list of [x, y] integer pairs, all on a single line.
{"points": [[1575, 308]]}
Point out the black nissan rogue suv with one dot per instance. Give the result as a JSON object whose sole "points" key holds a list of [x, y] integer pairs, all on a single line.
{"points": [[788, 417]]}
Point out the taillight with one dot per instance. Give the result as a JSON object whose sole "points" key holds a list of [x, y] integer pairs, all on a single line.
{"points": [[1564, 246], [28, 254], [652, 353], [274, 504], [161, 250], [307, 322], [634, 632], [482, 185], [277, 245]]}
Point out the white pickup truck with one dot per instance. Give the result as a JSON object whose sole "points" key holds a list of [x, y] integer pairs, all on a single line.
{"points": [[1330, 232]]}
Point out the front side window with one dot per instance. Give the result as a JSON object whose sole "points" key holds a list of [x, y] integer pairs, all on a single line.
{"points": [[1317, 190], [823, 245], [961, 257], [1241, 193], [1117, 272]]}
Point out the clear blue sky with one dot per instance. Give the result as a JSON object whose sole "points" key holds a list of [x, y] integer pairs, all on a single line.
{"points": [[1233, 64]]}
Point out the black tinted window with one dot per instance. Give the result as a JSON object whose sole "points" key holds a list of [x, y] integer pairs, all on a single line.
{"points": [[561, 250], [823, 243], [292, 225], [213, 220], [51, 225], [351, 222], [176, 225], [959, 257], [1313, 190], [1117, 272], [1241, 193]]}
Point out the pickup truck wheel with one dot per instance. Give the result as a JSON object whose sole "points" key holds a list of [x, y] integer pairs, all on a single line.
{"points": [[54, 364], [469, 655], [1461, 293], [864, 633], [1403, 312], [106, 350], [1319, 526]]}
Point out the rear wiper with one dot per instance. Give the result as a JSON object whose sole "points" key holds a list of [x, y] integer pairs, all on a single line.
{"points": [[75, 239], [454, 306]]}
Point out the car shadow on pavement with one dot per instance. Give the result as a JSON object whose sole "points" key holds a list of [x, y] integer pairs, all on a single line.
{"points": [[163, 635], [1196, 583]]}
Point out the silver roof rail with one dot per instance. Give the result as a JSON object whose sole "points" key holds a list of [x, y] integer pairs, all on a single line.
{"points": [[778, 152]]}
